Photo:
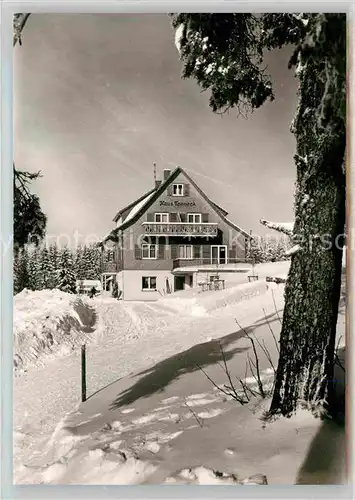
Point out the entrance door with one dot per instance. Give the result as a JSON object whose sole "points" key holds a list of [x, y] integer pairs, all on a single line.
{"points": [[188, 281], [219, 254], [179, 283], [108, 280]]}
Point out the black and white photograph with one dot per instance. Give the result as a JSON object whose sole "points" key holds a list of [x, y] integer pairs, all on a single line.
{"points": [[179, 248]]}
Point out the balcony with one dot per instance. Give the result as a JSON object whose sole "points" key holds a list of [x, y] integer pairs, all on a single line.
{"points": [[111, 267], [181, 228], [213, 263]]}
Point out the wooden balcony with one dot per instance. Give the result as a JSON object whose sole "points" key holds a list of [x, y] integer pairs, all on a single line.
{"points": [[210, 262], [111, 267], [181, 228]]}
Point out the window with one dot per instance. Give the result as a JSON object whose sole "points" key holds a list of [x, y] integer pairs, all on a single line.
{"points": [[178, 190], [110, 256], [149, 251], [161, 217], [185, 251], [196, 218], [149, 283]]}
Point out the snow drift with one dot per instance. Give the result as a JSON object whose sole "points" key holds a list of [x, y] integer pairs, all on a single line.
{"points": [[202, 303], [49, 323], [193, 302]]}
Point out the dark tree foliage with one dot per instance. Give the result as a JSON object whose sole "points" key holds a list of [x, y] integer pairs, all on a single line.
{"points": [[19, 22], [224, 53], [29, 220], [21, 274]]}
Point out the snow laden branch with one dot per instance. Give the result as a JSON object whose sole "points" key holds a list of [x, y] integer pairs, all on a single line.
{"points": [[295, 249], [178, 35], [285, 228], [282, 227]]}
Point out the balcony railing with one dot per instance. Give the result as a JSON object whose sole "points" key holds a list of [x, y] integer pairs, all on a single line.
{"points": [[216, 263], [181, 228], [111, 267]]}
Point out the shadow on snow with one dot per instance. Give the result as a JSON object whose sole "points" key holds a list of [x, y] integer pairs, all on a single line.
{"points": [[156, 378]]}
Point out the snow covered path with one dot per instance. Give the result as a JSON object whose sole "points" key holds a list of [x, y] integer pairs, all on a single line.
{"points": [[133, 337]]}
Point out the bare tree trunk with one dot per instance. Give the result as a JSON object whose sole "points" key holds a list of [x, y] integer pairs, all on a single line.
{"points": [[305, 369]]}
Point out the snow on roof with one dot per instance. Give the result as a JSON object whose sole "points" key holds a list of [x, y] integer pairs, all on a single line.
{"points": [[136, 208], [89, 282], [235, 226]]}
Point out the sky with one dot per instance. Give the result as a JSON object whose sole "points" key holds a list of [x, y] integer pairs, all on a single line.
{"points": [[99, 97]]}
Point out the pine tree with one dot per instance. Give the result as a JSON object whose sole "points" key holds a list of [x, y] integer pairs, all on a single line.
{"points": [[34, 269], [46, 269], [90, 263], [97, 261], [224, 53], [254, 250], [21, 275], [78, 263], [66, 272], [86, 263], [29, 220], [54, 258]]}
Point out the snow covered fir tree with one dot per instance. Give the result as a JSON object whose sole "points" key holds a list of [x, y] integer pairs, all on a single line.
{"points": [[42, 267], [225, 53], [214, 351]]}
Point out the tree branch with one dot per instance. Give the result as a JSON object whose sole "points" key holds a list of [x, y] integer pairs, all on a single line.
{"points": [[19, 23], [282, 227]]}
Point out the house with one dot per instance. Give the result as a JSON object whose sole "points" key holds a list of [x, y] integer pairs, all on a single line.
{"points": [[170, 239]]}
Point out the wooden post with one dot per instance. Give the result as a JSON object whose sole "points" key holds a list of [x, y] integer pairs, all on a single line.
{"points": [[83, 373]]}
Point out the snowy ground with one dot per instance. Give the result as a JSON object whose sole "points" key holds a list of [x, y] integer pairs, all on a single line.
{"points": [[153, 412]]}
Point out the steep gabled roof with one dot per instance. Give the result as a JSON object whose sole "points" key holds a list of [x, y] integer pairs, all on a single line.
{"points": [[131, 205], [154, 194], [224, 212], [216, 208]]}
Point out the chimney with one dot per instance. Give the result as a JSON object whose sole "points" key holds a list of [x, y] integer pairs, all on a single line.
{"points": [[157, 184], [166, 174]]}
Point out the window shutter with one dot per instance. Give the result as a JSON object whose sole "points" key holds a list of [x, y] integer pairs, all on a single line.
{"points": [[170, 190], [137, 252], [183, 217], [196, 251], [150, 217], [161, 251], [174, 252], [173, 217], [204, 217], [186, 189], [206, 252]]}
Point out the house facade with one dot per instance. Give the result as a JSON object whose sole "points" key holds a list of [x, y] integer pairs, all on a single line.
{"points": [[170, 239]]}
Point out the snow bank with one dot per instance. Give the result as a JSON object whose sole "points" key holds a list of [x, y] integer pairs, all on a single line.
{"points": [[49, 323], [204, 476], [99, 467], [88, 465], [194, 302], [202, 303]]}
